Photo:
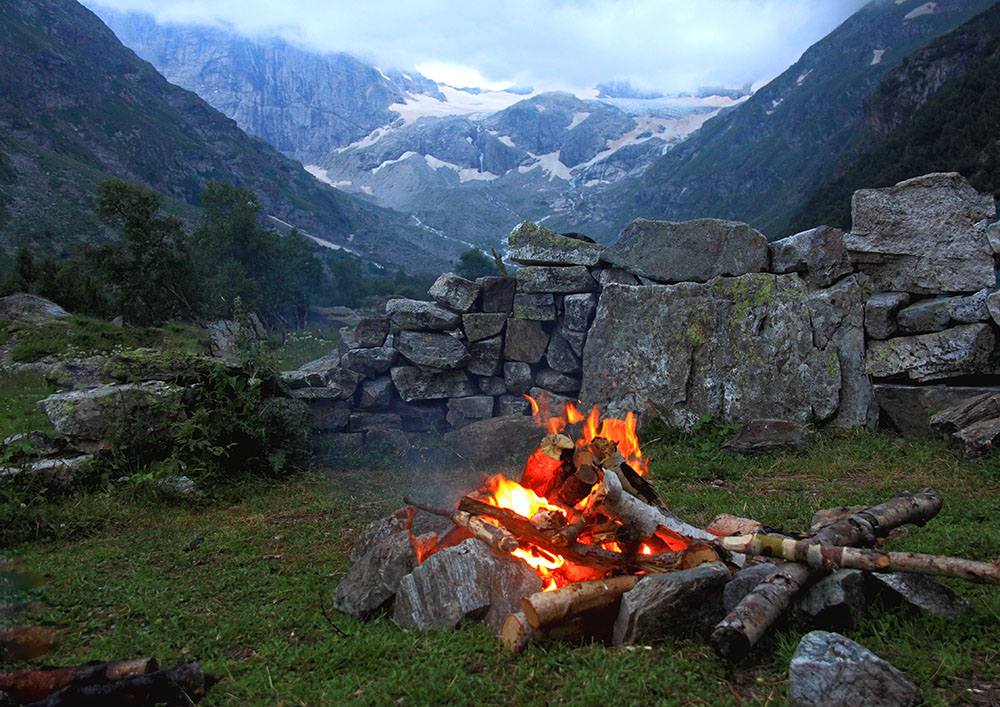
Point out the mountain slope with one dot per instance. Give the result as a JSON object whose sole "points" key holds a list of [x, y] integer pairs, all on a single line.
{"points": [[301, 102], [760, 161], [936, 112], [76, 107]]}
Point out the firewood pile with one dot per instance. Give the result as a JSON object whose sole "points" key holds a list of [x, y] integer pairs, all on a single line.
{"points": [[136, 681], [614, 563]]}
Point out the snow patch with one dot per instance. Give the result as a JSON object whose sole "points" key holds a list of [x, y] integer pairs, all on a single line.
{"points": [[550, 165], [577, 119], [368, 140], [928, 8], [877, 56], [321, 175], [803, 77], [465, 174], [505, 139], [457, 103], [405, 156]]}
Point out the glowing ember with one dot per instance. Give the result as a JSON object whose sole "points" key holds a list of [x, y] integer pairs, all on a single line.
{"points": [[544, 563], [512, 496]]}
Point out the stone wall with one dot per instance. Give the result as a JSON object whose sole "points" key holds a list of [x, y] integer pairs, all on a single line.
{"points": [[683, 320]]}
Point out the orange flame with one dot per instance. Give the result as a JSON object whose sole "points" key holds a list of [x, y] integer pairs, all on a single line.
{"points": [[512, 496]]}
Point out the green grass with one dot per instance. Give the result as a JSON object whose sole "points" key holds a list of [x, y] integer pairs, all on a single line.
{"points": [[304, 346], [18, 394], [252, 600], [79, 335]]}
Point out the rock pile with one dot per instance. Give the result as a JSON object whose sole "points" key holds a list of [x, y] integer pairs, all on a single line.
{"points": [[684, 320]]}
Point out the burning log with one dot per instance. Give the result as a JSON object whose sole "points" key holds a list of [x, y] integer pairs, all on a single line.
{"points": [[27, 642], [490, 534], [735, 635], [546, 467], [610, 498], [545, 608], [818, 555], [578, 553], [184, 684], [32, 685]]}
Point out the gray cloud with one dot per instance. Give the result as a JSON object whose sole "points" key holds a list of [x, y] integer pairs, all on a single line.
{"points": [[668, 45]]}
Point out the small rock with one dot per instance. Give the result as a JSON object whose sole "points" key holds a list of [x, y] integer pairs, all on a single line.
{"points": [[767, 435], [432, 349], [414, 384], [726, 524], [517, 377], [509, 404], [486, 356], [376, 393], [560, 356], [492, 385], [371, 332], [836, 602], [818, 254], [743, 583], [615, 276], [364, 421], [370, 362], [556, 382], [880, 313], [454, 292], [923, 592], [829, 669], [578, 310], [496, 441], [180, 485], [464, 411]]}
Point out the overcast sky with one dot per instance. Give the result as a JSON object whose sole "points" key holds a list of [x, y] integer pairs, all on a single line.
{"points": [[667, 45]]}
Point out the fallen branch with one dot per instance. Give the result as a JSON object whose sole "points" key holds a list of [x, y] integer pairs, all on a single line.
{"points": [[184, 684], [32, 685], [820, 556], [490, 534], [736, 634], [611, 499], [27, 642]]}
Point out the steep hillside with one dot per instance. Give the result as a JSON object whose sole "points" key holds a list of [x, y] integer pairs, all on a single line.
{"points": [[76, 107], [301, 102], [760, 161], [936, 112]]}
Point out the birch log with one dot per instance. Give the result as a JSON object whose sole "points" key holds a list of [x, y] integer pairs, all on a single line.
{"points": [[735, 635]]}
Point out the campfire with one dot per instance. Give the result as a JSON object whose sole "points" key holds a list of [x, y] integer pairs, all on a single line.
{"points": [[612, 558]]}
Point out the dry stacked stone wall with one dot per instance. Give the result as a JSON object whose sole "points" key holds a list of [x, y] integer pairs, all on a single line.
{"points": [[896, 319]]}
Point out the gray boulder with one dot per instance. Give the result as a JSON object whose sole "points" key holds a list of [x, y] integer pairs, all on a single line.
{"points": [[517, 376], [376, 393], [505, 440], [923, 235], [836, 603], [454, 292], [432, 350], [560, 280], [370, 362], [578, 309], [363, 421], [615, 276], [131, 411], [880, 313], [938, 313], [29, 309], [372, 331], [470, 581], [511, 404], [743, 583], [531, 244], [59, 473], [688, 251], [959, 351], [675, 603], [415, 314], [497, 294], [492, 385], [413, 383], [963, 413], [829, 669], [560, 355], [922, 592], [819, 255], [734, 348], [380, 558]]}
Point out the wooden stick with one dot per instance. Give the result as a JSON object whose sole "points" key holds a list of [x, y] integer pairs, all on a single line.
{"points": [[630, 509], [33, 685], [490, 534], [517, 633], [544, 608], [184, 684], [736, 634], [818, 555]]}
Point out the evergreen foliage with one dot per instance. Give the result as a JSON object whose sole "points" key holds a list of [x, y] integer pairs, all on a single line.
{"points": [[472, 263]]}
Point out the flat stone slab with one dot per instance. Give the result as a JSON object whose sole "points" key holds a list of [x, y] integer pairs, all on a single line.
{"points": [[923, 592], [497, 294], [880, 313], [470, 581], [486, 357], [559, 280], [829, 669], [925, 235], [371, 331], [578, 310], [416, 314], [960, 351], [413, 383], [483, 325], [432, 350], [939, 313], [526, 341], [465, 411], [535, 307], [689, 251], [370, 362], [768, 435], [531, 244]]}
